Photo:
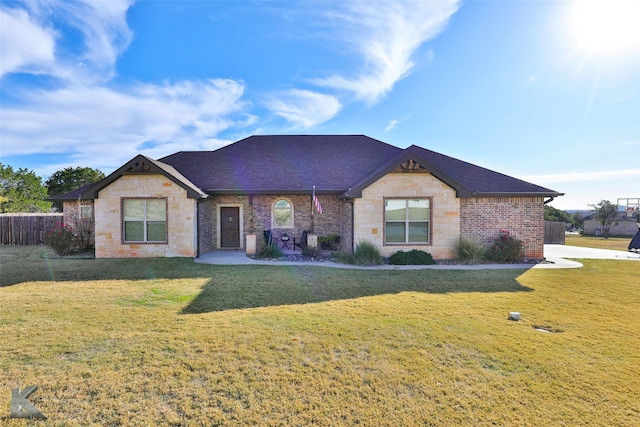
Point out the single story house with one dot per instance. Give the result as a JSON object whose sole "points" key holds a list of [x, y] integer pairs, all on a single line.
{"points": [[193, 202]]}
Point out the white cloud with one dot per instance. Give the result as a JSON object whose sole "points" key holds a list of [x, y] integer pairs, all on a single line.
{"points": [[303, 108], [26, 46], [94, 123], [30, 33], [385, 36]]}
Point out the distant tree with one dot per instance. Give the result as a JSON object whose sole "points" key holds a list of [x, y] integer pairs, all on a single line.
{"points": [[22, 191], [578, 220], [69, 179], [606, 213], [553, 214]]}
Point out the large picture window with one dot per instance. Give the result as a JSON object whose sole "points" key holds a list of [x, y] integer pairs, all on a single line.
{"points": [[144, 220], [282, 214], [407, 220]]}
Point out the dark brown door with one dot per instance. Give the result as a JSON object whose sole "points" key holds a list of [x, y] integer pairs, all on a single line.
{"points": [[230, 227]]}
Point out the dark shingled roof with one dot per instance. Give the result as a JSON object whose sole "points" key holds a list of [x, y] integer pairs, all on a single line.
{"points": [[293, 164], [284, 163]]}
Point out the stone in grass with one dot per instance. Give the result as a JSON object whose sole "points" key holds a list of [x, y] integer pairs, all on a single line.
{"points": [[514, 315]]}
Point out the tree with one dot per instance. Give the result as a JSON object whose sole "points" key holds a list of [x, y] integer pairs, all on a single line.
{"points": [[69, 179], [553, 214], [22, 191], [606, 213]]}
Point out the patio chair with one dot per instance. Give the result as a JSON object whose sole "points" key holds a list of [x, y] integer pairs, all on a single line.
{"points": [[301, 243]]}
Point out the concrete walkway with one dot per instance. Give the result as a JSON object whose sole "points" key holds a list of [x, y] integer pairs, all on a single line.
{"points": [[554, 254]]}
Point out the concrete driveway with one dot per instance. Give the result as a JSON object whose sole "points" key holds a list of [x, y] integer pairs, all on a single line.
{"points": [[563, 251]]}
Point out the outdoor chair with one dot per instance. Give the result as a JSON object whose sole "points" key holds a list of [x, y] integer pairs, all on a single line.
{"points": [[301, 243]]}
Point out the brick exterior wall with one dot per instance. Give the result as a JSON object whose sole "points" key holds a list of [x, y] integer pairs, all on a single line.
{"points": [[256, 216], [445, 212], [83, 226], [181, 218], [523, 217]]}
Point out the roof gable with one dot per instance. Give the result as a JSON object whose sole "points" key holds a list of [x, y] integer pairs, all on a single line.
{"points": [[468, 180], [142, 164]]}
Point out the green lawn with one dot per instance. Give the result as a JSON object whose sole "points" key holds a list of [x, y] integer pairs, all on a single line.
{"points": [[171, 342], [613, 243]]}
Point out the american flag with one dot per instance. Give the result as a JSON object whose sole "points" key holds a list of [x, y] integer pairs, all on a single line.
{"points": [[316, 202]]}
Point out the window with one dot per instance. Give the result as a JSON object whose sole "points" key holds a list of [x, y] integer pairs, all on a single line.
{"points": [[282, 214], [86, 212], [407, 220], [145, 220]]}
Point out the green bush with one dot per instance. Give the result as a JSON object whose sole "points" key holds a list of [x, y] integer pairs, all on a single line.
{"points": [[62, 240], [505, 248], [470, 251], [269, 252], [342, 258], [367, 254], [309, 252], [413, 257]]}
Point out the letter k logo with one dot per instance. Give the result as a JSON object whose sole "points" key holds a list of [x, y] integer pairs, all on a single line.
{"points": [[21, 407]]}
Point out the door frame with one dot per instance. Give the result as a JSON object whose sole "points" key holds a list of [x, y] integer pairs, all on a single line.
{"points": [[219, 226]]}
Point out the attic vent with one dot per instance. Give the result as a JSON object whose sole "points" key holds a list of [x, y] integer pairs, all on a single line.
{"points": [[140, 167], [411, 165]]}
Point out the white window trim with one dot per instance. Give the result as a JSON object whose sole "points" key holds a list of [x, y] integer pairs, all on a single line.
{"points": [[407, 221], [144, 231], [273, 217]]}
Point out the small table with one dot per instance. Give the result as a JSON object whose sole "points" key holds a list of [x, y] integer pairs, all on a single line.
{"points": [[285, 242]]}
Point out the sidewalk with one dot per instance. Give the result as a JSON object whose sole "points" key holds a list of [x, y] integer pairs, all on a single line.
{"points": [[555, 256]]}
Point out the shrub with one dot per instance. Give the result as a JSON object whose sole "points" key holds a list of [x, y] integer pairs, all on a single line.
{"points": [[413, 257], [469, 251], [329, 242], [62, 240], [505, 248], [309, 252], [367, 254], [269, 252], [342, 257]]}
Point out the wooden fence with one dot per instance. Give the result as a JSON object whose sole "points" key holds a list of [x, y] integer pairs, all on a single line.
{"points": [[554, 232], [27, 229]]}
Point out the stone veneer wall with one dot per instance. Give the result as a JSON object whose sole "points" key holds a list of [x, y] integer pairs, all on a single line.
{"points": [[523, 217], [256, 217], [445, 212], [181, 218]]}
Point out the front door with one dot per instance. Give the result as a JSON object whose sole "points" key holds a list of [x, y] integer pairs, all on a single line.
{"points": [[230, 227]]}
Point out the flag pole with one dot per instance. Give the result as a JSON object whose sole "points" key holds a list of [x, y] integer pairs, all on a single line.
{"points": [[313, 194]]}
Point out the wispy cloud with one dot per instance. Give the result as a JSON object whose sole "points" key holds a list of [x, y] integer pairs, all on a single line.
{"points": [[384, 36], [160, 118], [394, 123], [303, 108], [25, 44], [595, 176], [31, 33]]}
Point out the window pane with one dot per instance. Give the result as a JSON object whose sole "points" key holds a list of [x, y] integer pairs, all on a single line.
{"points": [[419, 232], [419, 210], [395, 209], [134, 231], [133, 210], [282, 204], [394, 232], [156, 231], [156, 210], [282, 214]]}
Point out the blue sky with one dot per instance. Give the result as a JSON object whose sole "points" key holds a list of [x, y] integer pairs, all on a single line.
{"points": [[541, 90]]}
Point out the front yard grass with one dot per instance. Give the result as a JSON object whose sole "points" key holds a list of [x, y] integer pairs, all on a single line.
{"points": [[613, 243], [172, 342]]}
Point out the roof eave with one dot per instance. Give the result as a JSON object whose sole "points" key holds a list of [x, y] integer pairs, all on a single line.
{"points": [[515, 194]]}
